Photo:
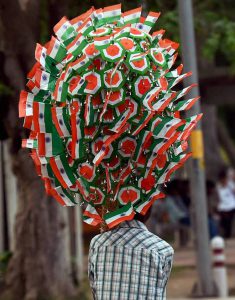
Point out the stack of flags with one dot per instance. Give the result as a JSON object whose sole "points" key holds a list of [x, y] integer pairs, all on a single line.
{"points": [[104, 113]]}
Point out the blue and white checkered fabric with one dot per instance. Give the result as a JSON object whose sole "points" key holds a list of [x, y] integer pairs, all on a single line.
{"points": [[129, 262]]}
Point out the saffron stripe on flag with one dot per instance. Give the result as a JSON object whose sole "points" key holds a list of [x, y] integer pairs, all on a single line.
{"points": [[62, 170], [124, 213]]}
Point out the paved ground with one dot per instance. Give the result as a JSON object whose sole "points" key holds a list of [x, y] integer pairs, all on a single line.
{"points": [[184, 275]]}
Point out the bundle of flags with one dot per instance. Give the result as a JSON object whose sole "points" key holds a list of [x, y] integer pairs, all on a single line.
{"points": [[104, 113]]}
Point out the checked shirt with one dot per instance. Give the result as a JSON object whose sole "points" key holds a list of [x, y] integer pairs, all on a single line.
{"points": [[129, 262]]}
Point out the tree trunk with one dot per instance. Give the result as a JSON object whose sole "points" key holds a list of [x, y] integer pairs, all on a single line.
{"points": [[40, 267]]}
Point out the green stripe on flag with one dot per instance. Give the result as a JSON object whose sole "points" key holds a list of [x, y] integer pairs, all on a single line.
{"points": [[57, 143], [119, 214], [56, 50]]}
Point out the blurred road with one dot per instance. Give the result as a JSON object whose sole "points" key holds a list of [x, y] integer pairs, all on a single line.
{"points": [[186, 257], [184, 274]]}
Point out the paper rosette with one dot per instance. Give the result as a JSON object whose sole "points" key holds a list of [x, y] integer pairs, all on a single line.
{"points": [[104, 115]]}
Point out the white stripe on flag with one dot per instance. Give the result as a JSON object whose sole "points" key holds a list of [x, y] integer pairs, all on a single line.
{"points": [[62, 171]]}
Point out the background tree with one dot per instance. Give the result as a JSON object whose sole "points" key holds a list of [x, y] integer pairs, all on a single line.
{"points": [[40, 265]]}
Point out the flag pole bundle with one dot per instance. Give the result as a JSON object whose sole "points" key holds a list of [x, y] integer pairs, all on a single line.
{"points": [[104, 113]]}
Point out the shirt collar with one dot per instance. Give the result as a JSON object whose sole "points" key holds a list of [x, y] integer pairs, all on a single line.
{"points": [[133, 223]]}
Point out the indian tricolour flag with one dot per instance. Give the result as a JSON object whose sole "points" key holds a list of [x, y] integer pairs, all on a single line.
{"points": [[178, 79], [61, 121], [77, 21], [154, 122], [156, 161], [169, 46], [172, 167], [77, 85], [99, 156], [45, 144], [161, 145], [56, 50], [108, 139], [82, 187], [180, 147], [86, 27], [175, 73], [167, 127], [110, 14], [26, 104], [121, 121], [132, 16], [88, 110], [46, 61], [144, 206], [147, 116], [61, 90], [62, 170], [76, 46], [122, 32], [40, 54], [91, 216], [151, 96], [77, 130], [80, 64], [32, 87], [28, 122], [44, 80], [91, 221], [157, 35], [164, 101], [63, 197], [143, 137], [151, 164], [185, 91], [185, 104], [64, 29], [170, 62], [45, 169], [150, 21], [29, 143], [124, 213], [125, 174], [49, 144], [190, 124], [102, 41], [36, 161], [42, 117]]}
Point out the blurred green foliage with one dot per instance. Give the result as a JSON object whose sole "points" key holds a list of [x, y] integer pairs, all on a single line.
{"points": [[214, 23], [44, 21], [5, 90], [4, 260]]}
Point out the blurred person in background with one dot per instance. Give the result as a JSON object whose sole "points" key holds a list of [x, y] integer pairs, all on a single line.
{"points": [[212, 203], [177, 208], [231, 179], [226, 204], [170, 213], [184, 191]]}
